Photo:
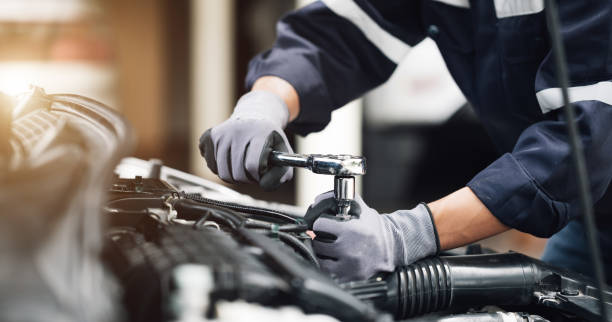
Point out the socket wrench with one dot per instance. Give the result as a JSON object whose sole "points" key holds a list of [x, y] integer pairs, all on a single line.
{"points": [[343, 167]]}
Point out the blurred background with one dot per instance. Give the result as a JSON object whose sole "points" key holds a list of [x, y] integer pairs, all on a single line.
{"points": [[176, 67]]}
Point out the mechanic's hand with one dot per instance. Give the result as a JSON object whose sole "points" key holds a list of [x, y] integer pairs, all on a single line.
{"points": [[369, 242], [238, 149]]}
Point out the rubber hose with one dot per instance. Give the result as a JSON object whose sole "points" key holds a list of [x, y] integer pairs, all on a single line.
{"points": [[192, 210], [438, 283], [291, 228], [294, 243], [245, 209]]}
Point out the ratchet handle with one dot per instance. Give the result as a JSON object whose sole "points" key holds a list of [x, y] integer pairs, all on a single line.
{"points": [[284, 159], [271, 174]]}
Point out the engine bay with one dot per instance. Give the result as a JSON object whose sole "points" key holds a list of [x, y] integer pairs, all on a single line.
{"points": [[94, 236], [261, 255]]}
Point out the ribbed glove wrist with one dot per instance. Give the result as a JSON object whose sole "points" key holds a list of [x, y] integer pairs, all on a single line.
{"points": [[262, 105], [413, 233]]}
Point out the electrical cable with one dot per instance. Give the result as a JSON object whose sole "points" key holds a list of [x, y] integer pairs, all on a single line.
{"points": [[586, 201], [291, 228], [300, 247], [201, 221], [193, 210], [294, 243], [245, 209], [297, 226]]}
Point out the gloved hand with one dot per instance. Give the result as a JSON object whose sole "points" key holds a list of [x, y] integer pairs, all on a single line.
{"points": [[238, 149], [370, 243]]}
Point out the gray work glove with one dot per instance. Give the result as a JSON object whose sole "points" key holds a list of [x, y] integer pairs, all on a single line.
{"points": [[237, 150], [370, 242]]}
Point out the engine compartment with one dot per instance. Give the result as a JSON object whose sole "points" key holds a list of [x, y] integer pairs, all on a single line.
{"points": [[151, 243], [263, 256]]}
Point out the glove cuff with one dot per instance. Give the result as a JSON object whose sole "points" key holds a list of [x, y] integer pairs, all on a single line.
{"points": [[414, 235], [433, 224], [262, 105]]}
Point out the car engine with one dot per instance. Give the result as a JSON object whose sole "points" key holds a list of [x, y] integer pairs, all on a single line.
{"points": [[89, 235]]}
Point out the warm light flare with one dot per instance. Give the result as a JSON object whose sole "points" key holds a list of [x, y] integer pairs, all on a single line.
{"points": [[95, 80]]}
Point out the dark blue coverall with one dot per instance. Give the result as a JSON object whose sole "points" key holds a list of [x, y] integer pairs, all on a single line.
{"points": [[499, 53]]}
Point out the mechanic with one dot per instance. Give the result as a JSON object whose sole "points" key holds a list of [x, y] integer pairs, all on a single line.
{"points": [[499, 54]]}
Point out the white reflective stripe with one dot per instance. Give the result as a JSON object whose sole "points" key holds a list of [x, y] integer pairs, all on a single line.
{"points": [[456, 3], [388, 44], [551, 98], [511, 8]]}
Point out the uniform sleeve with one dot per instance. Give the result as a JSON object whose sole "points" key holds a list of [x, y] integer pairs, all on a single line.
{"points": [[333, 51], [534, 188]]}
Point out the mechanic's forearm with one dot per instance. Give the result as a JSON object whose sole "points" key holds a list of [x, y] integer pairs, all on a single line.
{"points": [[283, 89], [461, 218]]}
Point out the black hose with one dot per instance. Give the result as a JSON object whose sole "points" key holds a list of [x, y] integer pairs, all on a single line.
{"points": [[273, 214], [586, 201], [294, 243], [291, 228], [192, 210], [482, 317], [513, 279], [300, 247]]}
